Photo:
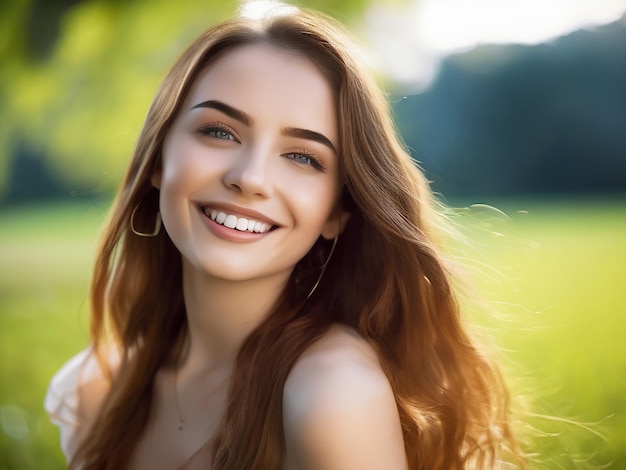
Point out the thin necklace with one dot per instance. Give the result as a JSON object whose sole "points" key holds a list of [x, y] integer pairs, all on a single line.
{"points": [[181, 418]]}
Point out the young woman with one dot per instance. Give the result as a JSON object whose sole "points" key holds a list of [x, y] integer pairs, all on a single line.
{"points": [[294, 310]]}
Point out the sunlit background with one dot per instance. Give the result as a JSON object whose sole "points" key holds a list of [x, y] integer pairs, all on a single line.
{"points": [[426, 31], [516, 111]]}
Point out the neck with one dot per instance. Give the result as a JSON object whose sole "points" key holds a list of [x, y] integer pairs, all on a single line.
{"points": [[221, 314]]}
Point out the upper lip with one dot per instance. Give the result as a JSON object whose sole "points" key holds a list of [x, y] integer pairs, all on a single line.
{"points": [[238, 211]]}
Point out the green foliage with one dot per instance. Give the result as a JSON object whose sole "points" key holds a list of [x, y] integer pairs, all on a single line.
{"points": [[553, 275]]}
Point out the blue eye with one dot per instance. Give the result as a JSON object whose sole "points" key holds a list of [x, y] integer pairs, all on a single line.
{"points": [[216, 132], [306, 159]]}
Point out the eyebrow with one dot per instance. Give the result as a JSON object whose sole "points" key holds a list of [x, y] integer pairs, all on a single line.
{"points": [[308, 135], [226, 109], [245, 119]]}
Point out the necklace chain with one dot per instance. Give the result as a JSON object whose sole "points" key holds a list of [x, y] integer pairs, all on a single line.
{"points": [[181, 417]]}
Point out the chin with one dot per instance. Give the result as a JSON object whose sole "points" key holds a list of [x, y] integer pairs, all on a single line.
{"points": [[239, 270]]}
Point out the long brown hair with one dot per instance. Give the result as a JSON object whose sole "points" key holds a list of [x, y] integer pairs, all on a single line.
{"points": [[387, 279]]}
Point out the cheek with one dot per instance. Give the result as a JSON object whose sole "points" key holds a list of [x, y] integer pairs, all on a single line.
{"points": [[175, 163], [182, 167], [312, 202], [177, 181]]}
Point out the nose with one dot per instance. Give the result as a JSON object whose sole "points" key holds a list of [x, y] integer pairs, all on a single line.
{"points": [[250, 173]]}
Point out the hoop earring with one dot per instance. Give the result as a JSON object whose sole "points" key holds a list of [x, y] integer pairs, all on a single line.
{"points": [[323, 268], [157, 224]]}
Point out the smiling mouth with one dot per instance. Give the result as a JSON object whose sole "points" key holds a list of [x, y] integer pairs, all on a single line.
{"points": [[243, 224]]}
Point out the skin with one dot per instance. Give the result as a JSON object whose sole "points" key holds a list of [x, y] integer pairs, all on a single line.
{"points": [[269, 155], [339, 411]]}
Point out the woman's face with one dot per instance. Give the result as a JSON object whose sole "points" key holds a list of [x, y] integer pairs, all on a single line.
{"points": [[250, 174]]}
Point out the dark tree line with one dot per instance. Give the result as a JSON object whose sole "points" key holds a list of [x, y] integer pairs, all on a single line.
{"points": [[519, 120]]}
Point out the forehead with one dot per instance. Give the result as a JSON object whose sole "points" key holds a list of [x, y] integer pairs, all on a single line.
{"points": [[269, 83]]}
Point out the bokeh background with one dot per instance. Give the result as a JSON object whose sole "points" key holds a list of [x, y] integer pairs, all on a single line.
{"points": [[516, 110]]}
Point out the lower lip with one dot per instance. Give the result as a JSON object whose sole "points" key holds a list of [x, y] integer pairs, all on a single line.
{"points": [[230, 234]]}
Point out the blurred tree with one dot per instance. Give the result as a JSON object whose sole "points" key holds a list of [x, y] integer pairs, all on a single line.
{"points": [[519, 120], [78, 77]]}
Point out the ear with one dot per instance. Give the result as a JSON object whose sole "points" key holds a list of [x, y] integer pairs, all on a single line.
{"points": [[335, 223], [155, 178]]}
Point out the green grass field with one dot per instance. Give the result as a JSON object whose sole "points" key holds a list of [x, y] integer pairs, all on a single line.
{"points": [[551, 278]]}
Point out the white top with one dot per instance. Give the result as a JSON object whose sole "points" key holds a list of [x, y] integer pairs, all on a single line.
{"points": [[74, 396]]}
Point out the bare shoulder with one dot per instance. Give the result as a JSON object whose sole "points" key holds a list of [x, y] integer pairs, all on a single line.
{"points": [[339, 410]]}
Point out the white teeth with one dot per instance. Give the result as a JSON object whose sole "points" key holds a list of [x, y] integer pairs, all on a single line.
{"points": [[242, 224], [231, 221]]}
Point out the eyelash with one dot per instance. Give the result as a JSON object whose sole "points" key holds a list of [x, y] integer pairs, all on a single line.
{"points": [[314, 162], [207, 129]]}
